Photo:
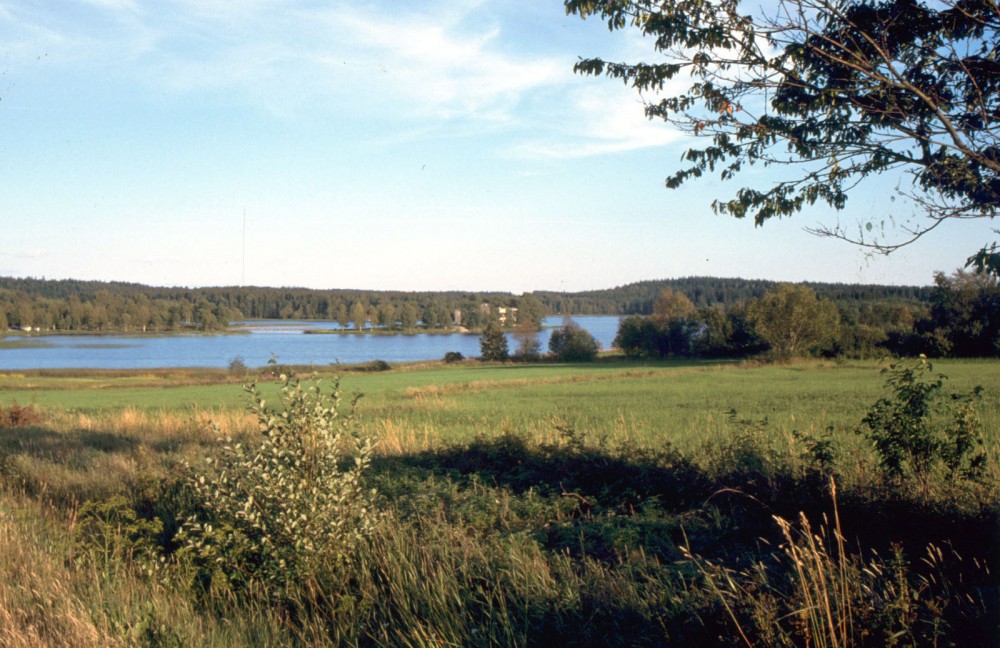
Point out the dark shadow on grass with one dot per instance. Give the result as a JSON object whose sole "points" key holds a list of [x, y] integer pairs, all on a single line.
{"points": [[43, 443], [640, 493]]}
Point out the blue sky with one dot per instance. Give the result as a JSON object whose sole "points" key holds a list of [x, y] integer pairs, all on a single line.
{"points": [[370, 144]]}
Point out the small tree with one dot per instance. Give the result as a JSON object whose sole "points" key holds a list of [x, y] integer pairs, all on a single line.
{"points": [[530, 311], [408, 316], [570, 343], [672, 306], [794, 321], [493, 343], [359, 315]]}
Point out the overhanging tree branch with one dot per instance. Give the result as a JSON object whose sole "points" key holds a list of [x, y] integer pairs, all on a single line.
{"points": [[847, 89]]}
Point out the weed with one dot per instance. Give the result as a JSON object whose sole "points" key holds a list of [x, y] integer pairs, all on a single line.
{"points": [[15, 415]]}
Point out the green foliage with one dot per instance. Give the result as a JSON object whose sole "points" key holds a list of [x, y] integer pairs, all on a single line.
{"points": [[530, 311], [820, 452], [965, 315], [846, 90], [111, 531], [289, 508], [571, 343], [793, 321], [493, 343], [649, 337], [509, 518], [917, 428], [453, 356]]}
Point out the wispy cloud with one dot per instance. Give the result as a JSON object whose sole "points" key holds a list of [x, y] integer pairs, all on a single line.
{"points": [[601, 122], [441, 62], [416, 69], [440, 68]]}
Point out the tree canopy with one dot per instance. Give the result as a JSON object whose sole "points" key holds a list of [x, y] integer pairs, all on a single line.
{"points": [[793, 321], [833, 91]]}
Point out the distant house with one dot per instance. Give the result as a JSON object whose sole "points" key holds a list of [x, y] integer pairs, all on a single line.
{"points": [[502, 314]]}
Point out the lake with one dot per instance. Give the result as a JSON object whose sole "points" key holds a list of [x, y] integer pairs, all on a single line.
{"points": [[257, 343]]}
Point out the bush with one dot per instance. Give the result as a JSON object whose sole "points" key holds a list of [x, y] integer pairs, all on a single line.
{"points": [[376, 365], [917, 428], [15, 415], [284, 513], [570, 343], [453, 356]]}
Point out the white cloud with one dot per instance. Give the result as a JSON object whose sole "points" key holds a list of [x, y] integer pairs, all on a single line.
{"points": [[603, 122], [441, 72], [440, 62]]}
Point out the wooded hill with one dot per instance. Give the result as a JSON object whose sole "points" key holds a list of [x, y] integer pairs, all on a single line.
{"points": [[73, 305]]}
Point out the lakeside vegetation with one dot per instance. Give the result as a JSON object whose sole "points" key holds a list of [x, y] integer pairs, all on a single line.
{"points": [[612, 502], [696, 317], [72, 305]]}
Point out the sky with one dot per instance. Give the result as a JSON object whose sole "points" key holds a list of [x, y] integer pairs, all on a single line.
{"points": [[373, 144]]}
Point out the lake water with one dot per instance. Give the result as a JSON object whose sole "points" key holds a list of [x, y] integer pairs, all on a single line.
{"points": [[261, 340]]}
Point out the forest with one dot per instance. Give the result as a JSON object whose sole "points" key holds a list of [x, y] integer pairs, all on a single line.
{"points": [[94, 306]]}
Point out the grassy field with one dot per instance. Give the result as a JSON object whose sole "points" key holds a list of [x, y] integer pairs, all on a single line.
{"points": [[613, 503], [647, 404]]}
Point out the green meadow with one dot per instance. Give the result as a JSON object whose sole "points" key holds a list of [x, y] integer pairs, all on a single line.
{"points": [[606, 503], [651, 403]]}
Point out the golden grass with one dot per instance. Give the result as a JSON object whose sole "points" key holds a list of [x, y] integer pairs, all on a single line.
{"points": [[39, 605]]}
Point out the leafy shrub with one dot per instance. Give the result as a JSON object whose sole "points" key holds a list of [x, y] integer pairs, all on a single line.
{"points": [[917, 428], [453, 356], [570, 343], [287, 512]]}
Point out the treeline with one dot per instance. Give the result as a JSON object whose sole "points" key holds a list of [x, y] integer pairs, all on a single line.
{"points": [[639, 298], [960, 318], [93, 306]]}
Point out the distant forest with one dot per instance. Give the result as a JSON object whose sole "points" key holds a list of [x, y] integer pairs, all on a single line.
{"points": [[93, 306]]}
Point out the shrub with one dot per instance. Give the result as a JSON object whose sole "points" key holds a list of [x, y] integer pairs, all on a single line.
{"points": [[570, 343], [376, 365], [453, 356], [284, 514], [15, 415], [916, 428]]}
